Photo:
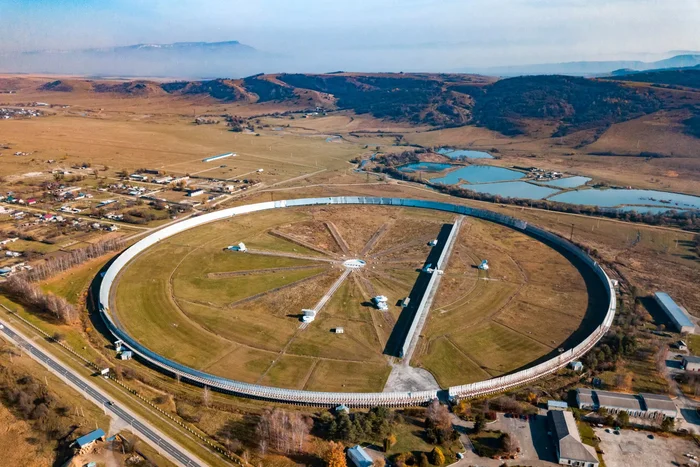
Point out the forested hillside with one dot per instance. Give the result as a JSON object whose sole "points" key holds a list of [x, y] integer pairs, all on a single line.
{"points": [[558, 105]]}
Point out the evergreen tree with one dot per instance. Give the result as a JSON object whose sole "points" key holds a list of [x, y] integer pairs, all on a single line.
{"points": [[345, 430]]}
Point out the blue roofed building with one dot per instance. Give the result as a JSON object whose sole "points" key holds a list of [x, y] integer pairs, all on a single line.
{"points": [[677, 314], [87, 441], [557, 405], [359, 457]]}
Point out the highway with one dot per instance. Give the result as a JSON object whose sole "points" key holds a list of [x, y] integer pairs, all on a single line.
{"points": [[161, 442]]}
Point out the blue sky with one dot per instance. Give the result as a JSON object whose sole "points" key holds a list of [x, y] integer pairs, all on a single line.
{"points": [[431, 33]]}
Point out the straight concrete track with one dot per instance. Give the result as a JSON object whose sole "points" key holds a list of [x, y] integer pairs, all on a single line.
{"points": [[321, 303]]}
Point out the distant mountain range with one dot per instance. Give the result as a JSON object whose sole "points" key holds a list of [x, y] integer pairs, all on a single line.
{"points": [[593, 68], [231, 59], [180, 59]]}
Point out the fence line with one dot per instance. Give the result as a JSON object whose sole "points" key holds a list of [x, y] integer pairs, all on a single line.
{"points": [[405, 398]]}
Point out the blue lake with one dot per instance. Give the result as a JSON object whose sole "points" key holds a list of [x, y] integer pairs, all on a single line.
{"points": [[464, 154], [424, 167], [513, 190], [568, 182], [479, 174], [612, 198]]}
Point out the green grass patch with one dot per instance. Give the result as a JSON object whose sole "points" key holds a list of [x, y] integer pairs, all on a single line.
{"points": [[72, 284], [449, 365], [498, 349], [487, 443], [240, 326], [348, 376], [288, 372], [409, 437], [242, 364], [646, 377], [223, 291], [266, 241], [485, 298], [29, 245], [146, 310], [693, 341]]}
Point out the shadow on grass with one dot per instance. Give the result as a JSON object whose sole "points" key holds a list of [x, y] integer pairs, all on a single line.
{"points": [[596, 308], [399, 333]]}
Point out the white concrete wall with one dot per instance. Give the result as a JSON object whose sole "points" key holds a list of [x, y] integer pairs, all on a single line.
{"points": [[351, 399]]}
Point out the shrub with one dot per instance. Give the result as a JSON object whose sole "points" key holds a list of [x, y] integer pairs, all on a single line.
{"points": [[437, 456]]}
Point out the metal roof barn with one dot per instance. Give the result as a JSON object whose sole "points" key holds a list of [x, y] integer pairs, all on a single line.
{"points": [[674, 312], [90, 437]]}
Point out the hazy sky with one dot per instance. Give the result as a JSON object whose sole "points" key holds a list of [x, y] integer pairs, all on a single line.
{"points": [[368, 34]]}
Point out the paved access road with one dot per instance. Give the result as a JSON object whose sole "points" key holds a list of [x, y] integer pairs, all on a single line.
{"points": [[162, 443]]}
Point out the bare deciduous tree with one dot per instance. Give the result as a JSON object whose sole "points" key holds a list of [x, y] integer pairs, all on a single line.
{"points": [[206, 396], [61, 263], [31, 295], [282, 431], [439, 415]]}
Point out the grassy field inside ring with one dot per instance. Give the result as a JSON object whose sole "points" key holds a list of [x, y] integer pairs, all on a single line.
{"points": [[237, 314]]}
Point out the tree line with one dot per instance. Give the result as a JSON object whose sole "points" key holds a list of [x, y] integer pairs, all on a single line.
{"points": [[32, 296], [75, 257], [282, 432]]}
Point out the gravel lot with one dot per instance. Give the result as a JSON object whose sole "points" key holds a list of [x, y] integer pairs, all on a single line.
{"points": [[631, 448]]}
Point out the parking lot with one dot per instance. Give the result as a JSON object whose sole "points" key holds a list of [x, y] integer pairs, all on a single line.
{"points": [[636, 448], [531, 433]]}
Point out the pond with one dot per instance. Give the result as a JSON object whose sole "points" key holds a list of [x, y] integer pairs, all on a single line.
{"points": [[513, 190], [424, 167], [568, 182], [612, 198], [463, 154], [479, 174]]}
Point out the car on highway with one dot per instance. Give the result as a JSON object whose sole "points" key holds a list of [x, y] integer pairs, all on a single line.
{"points": [[2, 327]]}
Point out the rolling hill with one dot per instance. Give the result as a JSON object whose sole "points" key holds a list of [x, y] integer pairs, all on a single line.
{"points": [[557, 105], [588, 68], [686, 77]]}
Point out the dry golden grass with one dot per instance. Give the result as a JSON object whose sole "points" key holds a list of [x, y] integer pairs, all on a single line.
{"points": [[132, 132], [259, 331], [172, 146], [14, 442]]}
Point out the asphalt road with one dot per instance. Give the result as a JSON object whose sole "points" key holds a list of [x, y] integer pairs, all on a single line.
{"points": [[166, 446]]}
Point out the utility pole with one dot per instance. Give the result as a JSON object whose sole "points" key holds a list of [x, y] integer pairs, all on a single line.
{"points": [[571, 238]]}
